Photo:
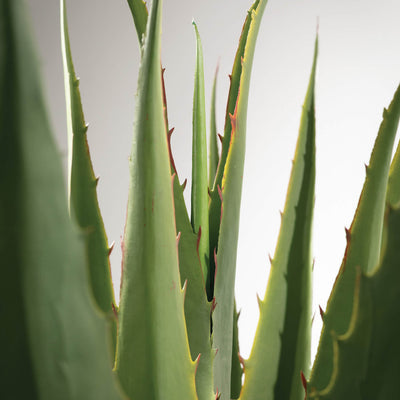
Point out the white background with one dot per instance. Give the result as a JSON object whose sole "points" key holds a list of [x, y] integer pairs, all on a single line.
{"points": [[358, 72]]}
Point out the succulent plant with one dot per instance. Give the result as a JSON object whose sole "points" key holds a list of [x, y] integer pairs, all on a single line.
{"points": [[174, 334]]}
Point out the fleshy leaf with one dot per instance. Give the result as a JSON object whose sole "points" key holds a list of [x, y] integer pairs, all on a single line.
{"points": [[140, 16], [363, 245], [281, 349], [54, 342], [83, 203], [214, 156], [215, 199], [197, 308], [153, 357], [230, 191], [199, 203], [366, 358], [350, 350]]}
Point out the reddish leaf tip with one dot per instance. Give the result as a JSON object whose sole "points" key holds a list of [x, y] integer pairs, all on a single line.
{"points": [[304, 382], [348, 234], [111, 248], [321, 313], [197, 361], [184, 185], [213, 305]]}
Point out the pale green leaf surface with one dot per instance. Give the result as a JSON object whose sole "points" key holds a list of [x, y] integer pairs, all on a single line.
{"points": [[366, 358], [153, 357], [363, 245], [350, 350], [281, 349], [231, 189], [54, 343], [213, 146], [197, 307], [140, 16], [215, 200], [83, 203], [199, 194]]}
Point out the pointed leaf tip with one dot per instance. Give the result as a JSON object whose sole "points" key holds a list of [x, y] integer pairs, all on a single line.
{"points": [[348, 234], [304, 382], [321, 313], [111, 248], [184, 185]]}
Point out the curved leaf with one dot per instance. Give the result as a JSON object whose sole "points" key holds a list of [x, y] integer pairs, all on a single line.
{"points": [[215, 199], [54, 343], [83, 203], [363, 245], [230, 191], [153, 358], [199, 203], [214, 156], [140, 16], [281, 349]]}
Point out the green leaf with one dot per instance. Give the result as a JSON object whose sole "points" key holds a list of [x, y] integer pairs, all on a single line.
{"points": [[199, 203], [214, 156], [215, 199], [366, 358], [83, 203], [281, 349], [54, 344], [153, 357], [350, 350], [380, 380], [230, 191], [197, 308], [140, 16], [363, 245]]}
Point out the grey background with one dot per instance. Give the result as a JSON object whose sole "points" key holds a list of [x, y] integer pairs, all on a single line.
{"points": [[358, 71]]}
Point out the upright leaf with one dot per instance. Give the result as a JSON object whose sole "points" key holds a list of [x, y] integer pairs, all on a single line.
{"points": [[199, 203], [230, 192], [83, 203], [197, 308], [53, 342], [140, 16], [366, 358], [281, 349], [350, 350], [215, 199], [153, 358], [363, 246], [214, 156]]}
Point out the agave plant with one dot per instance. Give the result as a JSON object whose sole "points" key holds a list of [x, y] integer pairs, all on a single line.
{"points": [[174, 334]]}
